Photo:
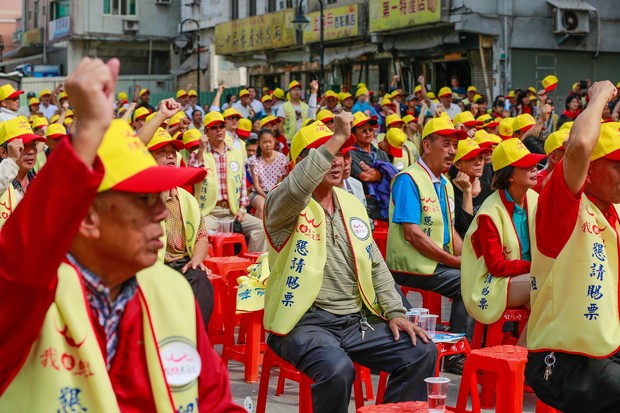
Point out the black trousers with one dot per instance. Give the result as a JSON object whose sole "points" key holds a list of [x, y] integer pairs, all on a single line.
{"points": [[201, 286], [324, 346], [577, 384]]}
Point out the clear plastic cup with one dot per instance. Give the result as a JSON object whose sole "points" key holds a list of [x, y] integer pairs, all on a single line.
{"points": [[412, 314], [226, 225], [428, 322], [437, 389]]}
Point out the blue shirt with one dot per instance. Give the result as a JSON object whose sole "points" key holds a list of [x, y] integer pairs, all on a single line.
{"points": [[519, 218], [408, 207], [361, 107]]}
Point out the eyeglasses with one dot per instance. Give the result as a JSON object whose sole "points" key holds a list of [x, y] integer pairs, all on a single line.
{"points": [[218, 126], [367, 130], [150, 199]]}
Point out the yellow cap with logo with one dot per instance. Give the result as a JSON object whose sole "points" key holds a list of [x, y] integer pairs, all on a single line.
{"points": [[181, 93], [556, 140], [63, 95], [162, 138], [445, 91], [18, 128], [396, 139], [442, 125], [177, 118], [140, 113], [608, 145], [45, 92], [394, 120], [469, 149], [191, 138], [33, 101], [232, 113], [409, 118], [278, 93], [40, 122], [143, 91], [8, 92], [293, 84], [466, 118], [244, 128], [512, 152], [129, 167], [505, 128], [120, 96], [485, 139], [269, 119], [523, 123], [213, 118], [550, 83], [325, 115], [192, 92], [567, 125], [244, 92], [360, 119], [56, 131], [361, 91]]}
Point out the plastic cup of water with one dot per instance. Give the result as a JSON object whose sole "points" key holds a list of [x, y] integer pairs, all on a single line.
{"points": [[437, 389], [226, 225], [412, 314], [428, 322]]}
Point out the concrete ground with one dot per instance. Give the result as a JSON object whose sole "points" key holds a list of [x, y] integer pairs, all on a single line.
{"points": [[288, 401]]}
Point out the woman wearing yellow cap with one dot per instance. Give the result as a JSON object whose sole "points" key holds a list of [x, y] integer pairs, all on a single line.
{"points": [[498, 247]]}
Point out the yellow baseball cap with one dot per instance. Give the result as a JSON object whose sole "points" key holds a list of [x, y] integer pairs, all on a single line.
{"points": [[618, 85], [268, 119], [244, 128], [362, 85], [394, 119], [69, 114], [313, 136], [8, 92], [232, 113], [395, 93], [192, 92], [396, 139], [466, 118], [143, 91], [510, 94], [556, 140], [120, 96], [265, 98], [177, 118], [129, 167], [442, 126], [331, 94], [40, 122], [325, 115], [140, 113], [67, 121], [431, 95], [485, 139], [417, 89], [54, 119], [505, 128], [162, 138], [532, 89], [63, 95], [468, 149], [278, 93], [33, 101], [523, 123], [567, 125], [409, 118], [445, 91], [512, 152], [487, 121], [56, 131], [387, 101], [307, 122], [45, 92], [18, 128], [181, 93], [344, 96], [32, 118], [293, 84], [213, 118], [360, 119], [472, 89], [608, 145], [191, 138], [361, 91], [152, 115], [550, 83], [244, 92]]}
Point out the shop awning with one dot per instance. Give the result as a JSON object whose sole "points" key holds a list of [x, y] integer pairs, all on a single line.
{"points": [[191, 63], [571, 5], [345, 53]]}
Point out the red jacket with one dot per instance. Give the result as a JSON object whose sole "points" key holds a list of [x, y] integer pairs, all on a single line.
{"points": [[33, 243]]}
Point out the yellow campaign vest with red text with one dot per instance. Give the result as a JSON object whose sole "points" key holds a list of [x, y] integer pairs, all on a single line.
{"points": [[66, 363], [401, 255], [291, 290], [485, 295], [574, 298], [8, 202], [206, 191], [191, 218], [290, 121]]}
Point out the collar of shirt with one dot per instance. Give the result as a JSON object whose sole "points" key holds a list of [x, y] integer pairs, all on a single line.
{"points": [[209, 148], [511, 205], [8, 111], [434, 179], [18, 185]]}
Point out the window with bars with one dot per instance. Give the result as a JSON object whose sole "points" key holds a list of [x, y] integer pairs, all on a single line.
{"points": [[251, 7], [271, 6], [234, 9], [119, 7]]}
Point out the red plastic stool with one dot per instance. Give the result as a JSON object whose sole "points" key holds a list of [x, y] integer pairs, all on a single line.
{"points": [[543, 408], [216, 329], [251, 255], [494, 334], [225, 265], [363, 381], [508, 364], [224, 243], [380, 236], [402, 407]]}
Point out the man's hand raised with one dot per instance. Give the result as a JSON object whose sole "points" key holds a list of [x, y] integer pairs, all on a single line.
{"points": [[91, 87]]}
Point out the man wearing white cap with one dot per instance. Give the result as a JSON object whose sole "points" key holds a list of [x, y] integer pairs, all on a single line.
{"points": [[9, 102]]}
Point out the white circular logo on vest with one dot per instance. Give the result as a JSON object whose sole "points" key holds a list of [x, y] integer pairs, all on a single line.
{"points": [[234, 166], [400, 165], [181, 363], [359, 228], [451, 204]]}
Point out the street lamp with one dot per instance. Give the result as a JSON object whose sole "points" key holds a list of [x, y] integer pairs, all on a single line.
{"points": [[301, 22], [181, 41]]}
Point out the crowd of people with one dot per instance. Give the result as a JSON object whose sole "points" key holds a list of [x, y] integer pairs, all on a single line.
{"points": [[494, 203]]}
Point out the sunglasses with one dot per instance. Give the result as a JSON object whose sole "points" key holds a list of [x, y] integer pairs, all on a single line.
{"points": [[218, 126]]}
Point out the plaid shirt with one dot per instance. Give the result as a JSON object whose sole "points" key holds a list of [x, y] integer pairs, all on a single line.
{"points": [[108, 313], [220, 164]]}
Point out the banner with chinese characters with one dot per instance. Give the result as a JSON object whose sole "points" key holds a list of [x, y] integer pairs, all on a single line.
{"points": [[339, 23], [267, 31], [396, 14]]}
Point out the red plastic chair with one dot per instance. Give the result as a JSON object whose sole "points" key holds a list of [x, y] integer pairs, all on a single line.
{"points": [[494, 334], [216, 328], [380, 236], [508, 365], [224, 243], [430, 300], [251, 255]]}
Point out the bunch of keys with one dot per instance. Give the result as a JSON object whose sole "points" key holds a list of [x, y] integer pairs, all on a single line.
{"points": [[364, 325], [549, 361]]}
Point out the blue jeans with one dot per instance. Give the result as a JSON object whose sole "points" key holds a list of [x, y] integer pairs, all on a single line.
{"points": [[324, 346]]}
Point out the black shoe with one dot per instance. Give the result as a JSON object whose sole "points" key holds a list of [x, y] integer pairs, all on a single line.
{"points": [[454, 364]]}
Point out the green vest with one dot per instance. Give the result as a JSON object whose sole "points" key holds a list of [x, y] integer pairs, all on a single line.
{"points": [[290, 121], [485, 296], [66, 355], [401, 255], [574, 297], [206, 191], [297, 266], [191, 218]]}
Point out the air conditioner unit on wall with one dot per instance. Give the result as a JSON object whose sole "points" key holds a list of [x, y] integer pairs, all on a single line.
{"points": [[163, 1], [130, 26], [573, 22]]}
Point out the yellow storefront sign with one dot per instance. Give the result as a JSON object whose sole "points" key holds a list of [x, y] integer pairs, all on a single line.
{"points": [[339, 23], [396, 14], [267, 31], [32, 37]]}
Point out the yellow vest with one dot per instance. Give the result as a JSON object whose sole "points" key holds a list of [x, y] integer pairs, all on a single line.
{"points": [[8, 202], [574, 298], [191, 218], [485, 296], [290, 121], [40, 162], [206, 191], [297, 267], [231, 142], [410, 156], [401, 255], [66, 358]]}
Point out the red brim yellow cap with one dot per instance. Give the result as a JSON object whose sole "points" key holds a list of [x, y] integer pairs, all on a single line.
{"points": [[178, 145]]}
